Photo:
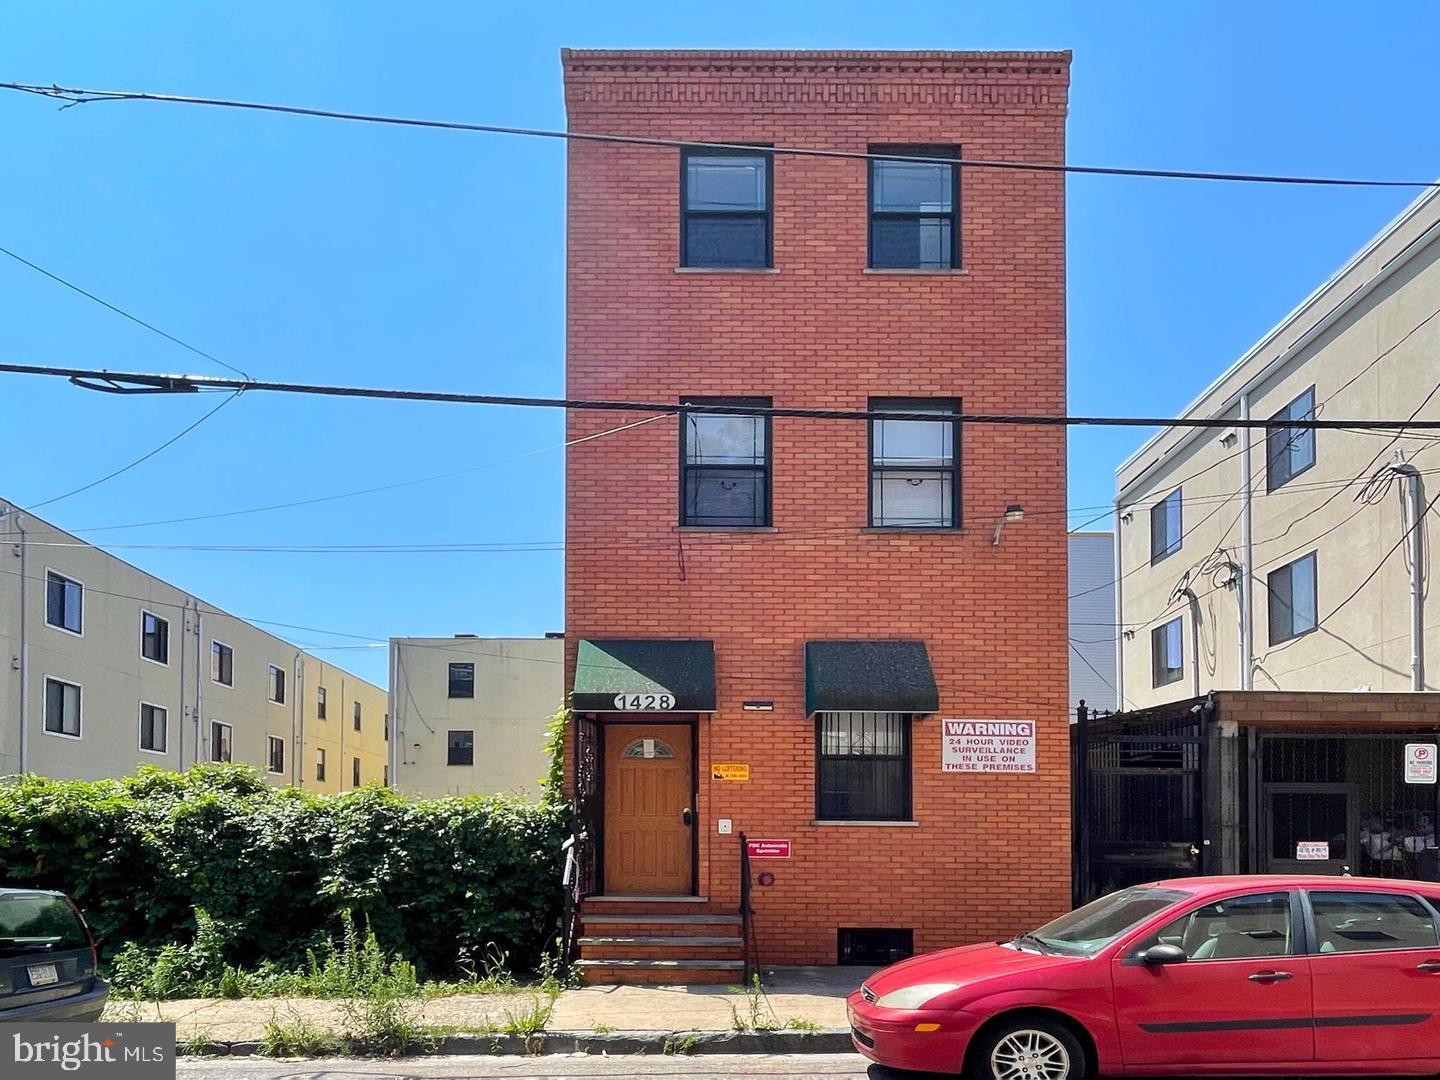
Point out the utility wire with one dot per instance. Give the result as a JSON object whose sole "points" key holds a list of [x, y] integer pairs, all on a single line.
{"points": [[84, 96]]}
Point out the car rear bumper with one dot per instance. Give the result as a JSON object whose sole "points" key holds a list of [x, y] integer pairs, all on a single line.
{"points": [[79, 1009], [888, 1036]]}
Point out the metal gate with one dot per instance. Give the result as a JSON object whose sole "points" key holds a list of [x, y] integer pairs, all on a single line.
{"points": [[1139, 802]]}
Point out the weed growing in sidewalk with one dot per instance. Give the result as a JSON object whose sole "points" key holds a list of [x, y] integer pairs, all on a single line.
{"points": [[529, 1019], [799, 1023], [756, 1014], [197, 1043], [604, 1029], [296, 1036], [684, 1044]]}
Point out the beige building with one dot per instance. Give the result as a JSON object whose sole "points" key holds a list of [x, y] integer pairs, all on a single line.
{"points": [[1282, 558], [107, 668], [470, 713]]}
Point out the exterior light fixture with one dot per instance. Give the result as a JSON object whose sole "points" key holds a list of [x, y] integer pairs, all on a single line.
{"points": [[759, 706], [1013, 512]]}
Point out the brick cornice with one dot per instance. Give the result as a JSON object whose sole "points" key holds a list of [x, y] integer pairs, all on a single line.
{"points": [[814, 63]]}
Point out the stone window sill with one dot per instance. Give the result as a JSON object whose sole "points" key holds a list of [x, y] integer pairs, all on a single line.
{"points": [[725, 529], [903, 530], [726, 270], [912, 271], [870, 824]]}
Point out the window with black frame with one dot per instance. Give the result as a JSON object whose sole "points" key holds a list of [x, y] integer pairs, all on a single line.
{"points": [[460, 747], [725, 220], [1289, 451], [725, 467], [914, 209], [862, 766], [914, 465]]}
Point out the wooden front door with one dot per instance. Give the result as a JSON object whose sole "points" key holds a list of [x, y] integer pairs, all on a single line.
{"points": [[649, 807]]}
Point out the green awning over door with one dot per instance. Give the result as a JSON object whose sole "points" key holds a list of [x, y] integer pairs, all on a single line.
{"points": [[644, 675]]}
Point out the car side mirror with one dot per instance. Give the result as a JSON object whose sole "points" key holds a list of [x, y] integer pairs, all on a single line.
{"points": [[1163, 954]]}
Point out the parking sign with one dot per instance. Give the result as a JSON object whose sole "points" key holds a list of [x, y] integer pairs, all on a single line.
{"points": [[1420, 763]]}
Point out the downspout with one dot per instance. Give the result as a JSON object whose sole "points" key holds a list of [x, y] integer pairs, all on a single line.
{"points": [[24, 643], [1194, 605], [180, 671], [297, 722], [1414, 515], [393, 704], [1247, 482], [1119, 615], [199, 683]]}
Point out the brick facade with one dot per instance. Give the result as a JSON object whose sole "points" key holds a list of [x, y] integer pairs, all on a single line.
{"points": [[990, 854]]}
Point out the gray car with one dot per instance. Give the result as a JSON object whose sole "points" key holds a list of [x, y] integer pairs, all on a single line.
{"points": [[47, 960]]}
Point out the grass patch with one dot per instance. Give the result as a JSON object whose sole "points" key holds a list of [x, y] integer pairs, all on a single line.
{"points": [[799, 1023], [529, 1019]]}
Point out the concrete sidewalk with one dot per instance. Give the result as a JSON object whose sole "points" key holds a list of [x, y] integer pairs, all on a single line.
{"points": [[801, 998]]}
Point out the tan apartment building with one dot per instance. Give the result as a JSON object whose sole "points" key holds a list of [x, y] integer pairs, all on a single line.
{"points": [[1284, 558], [104, 668], [470, 713]]}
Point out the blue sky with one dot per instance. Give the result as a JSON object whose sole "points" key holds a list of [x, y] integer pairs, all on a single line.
{"points": [[319, 251]]}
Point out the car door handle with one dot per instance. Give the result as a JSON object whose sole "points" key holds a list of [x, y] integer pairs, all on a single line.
{"points": [[1432, 966], [1270, 976]]}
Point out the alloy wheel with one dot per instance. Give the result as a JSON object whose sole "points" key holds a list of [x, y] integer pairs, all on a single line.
{"points": [[1029, 1054]]}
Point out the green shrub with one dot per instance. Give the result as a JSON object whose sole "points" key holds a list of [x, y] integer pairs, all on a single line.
{"points": [[213, 880]]}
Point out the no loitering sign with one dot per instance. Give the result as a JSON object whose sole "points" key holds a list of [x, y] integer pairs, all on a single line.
{"points": [[996, 746]]}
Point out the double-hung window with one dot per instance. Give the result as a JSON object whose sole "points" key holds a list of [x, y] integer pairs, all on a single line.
{"points": [[725, 220], [221, 741], [154, 638], [1289, 451], [725, 467], [64, 602], [1167, 653], [222, 663], [460, 748], [62, 708], [355, 772], [914, 465], [277, 684], [320, 703], [357, 716], [462, 680], [914, 209], [1292, 603], [862, 766], [154, 728], [319, 764], [276, 760], [1166, 531]]}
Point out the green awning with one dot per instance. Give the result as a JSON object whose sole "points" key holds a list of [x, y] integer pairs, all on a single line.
{"points": [[869, 676], [644, 675]]}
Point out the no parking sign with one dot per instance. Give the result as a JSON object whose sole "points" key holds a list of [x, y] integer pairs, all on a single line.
{"points": [[1420, 763]]}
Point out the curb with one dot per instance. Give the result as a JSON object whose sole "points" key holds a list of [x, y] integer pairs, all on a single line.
{"points": [[660, 1043]]}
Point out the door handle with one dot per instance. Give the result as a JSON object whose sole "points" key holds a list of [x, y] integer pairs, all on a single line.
{"points": [[686, 817], [1270, 976], [1431, 966]]}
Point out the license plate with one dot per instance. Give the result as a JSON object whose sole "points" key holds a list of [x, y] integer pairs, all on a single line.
{"points": [[43, 974]]}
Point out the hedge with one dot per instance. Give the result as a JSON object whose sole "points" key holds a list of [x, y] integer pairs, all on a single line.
{"points": [[438, 880]]}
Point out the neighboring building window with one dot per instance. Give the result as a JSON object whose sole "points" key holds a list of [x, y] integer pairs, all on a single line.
{"points": [[277, 685], [64, 602], [725, 200], [62, 708], [221, 741], [1292, 599], [320, 703], [1289, 451], [319, 764], [355, 772], [913, 210], [387, 775], [154, 728], [1166, 532], [725, 467], [222, 663], [1167, 653], [154, 638], [460, 748], [357, 716], [387, 727], [462, 680], [277, 755], [914, 465], [862, 766], [1351, 922]]}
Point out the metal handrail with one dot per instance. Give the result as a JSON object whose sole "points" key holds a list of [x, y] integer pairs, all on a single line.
{"points": [[572, 881], [747, 916]]}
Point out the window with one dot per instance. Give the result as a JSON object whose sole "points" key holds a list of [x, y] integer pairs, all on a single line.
{"points": [[725, 467], [222, 663], [462, 680], [154, 638], [460, 748], [221, 741], [1240, 928], [357, 716], [1372, 922], [64, 602], [387, 774], [62, 708], [1292, 600], [50, 918], [1087, 930], [874, 947], [276, 760], [154, 728], [1289, 451], [862, 766], [320, 765], [1166, 534], [649, 748], [725, 201], [914, 476], [1167, 653], [355, 772], [913, 222], [320, 703], [387, 727], [277, 685]]}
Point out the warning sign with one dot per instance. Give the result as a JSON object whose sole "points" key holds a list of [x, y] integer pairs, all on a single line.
{"points": [[730, 772], [1312, 850], [1420, 763], [988, 746]]}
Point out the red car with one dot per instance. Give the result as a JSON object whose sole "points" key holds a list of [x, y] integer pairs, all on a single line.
{"points": [[1197, 976]]}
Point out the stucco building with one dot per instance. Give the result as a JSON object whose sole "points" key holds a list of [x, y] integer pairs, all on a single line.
{"points": [[1092, 618]]}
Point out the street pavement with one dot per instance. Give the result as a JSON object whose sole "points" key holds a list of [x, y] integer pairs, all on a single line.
{"points": [[556, 1067]]}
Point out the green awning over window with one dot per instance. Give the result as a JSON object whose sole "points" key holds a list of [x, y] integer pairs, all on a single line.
{"points": [[869, 676], [644, 675]]}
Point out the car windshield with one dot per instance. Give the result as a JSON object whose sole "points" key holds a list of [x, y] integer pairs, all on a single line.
{"points": [[1087, 930]]}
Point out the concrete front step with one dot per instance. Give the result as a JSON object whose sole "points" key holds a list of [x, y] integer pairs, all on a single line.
{"points": [[644, 925], [664, 947], [661, 972], [649, 905]]}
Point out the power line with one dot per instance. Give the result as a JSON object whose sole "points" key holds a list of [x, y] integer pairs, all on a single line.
{"points": [[84, 96]]}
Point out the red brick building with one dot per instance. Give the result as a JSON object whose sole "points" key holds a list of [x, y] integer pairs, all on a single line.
{"points": [[712, 562]]}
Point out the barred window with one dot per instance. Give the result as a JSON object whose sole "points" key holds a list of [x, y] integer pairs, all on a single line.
{"points": [[862, 766]]}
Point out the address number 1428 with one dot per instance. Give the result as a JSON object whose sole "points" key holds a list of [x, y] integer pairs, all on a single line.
{"points": [[644, 702]]}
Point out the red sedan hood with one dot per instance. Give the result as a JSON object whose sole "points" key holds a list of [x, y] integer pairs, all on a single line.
{"points": [[967, 964]]}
